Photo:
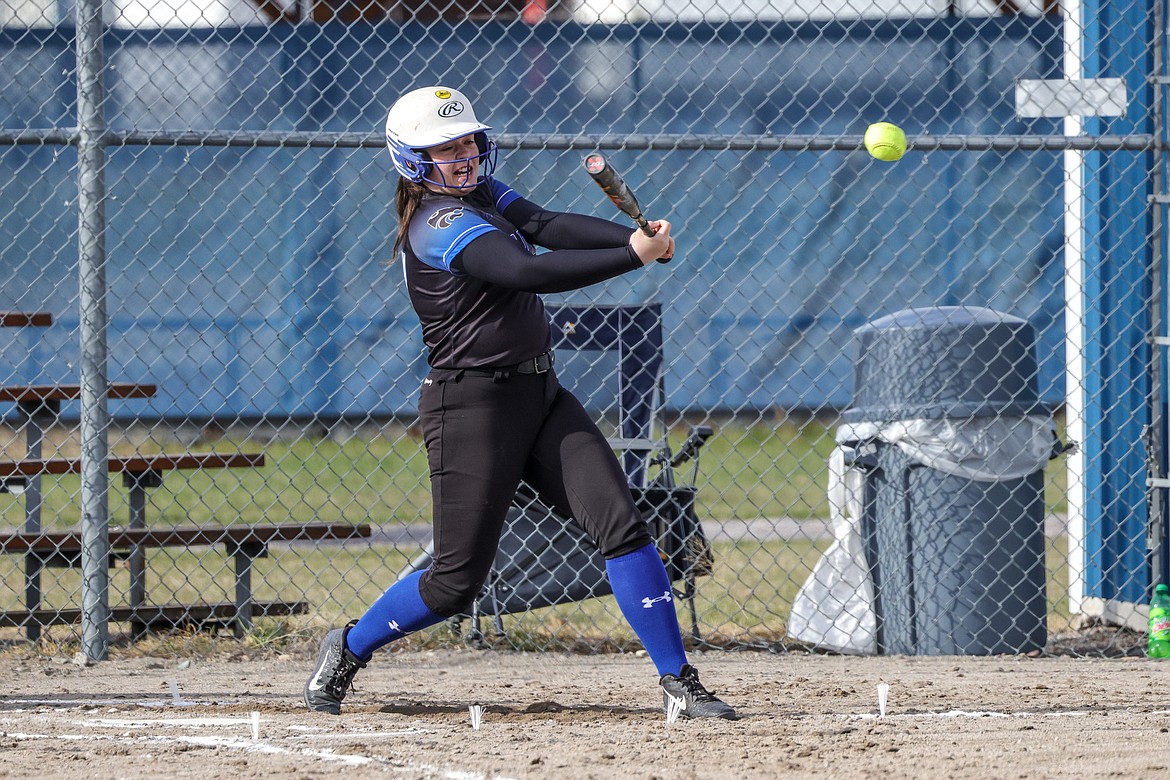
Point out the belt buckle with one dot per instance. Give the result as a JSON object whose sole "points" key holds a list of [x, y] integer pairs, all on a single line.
{"points": [[542, 363]]}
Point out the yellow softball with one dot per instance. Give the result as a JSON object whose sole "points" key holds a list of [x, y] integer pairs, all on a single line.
{"points": [[885, 141]]}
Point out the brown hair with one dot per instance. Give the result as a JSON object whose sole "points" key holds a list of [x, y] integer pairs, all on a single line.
{"points": [[406, 199]]}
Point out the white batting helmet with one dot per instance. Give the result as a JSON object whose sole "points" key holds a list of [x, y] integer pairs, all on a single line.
{"points": [[428, 117]]}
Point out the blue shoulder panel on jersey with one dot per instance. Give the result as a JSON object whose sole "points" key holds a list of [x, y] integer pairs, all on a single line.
{"points": [[441, 230], [502, 195]]}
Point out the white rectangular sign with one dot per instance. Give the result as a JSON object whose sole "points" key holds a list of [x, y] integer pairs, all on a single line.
{"points": [[1071, 97]]}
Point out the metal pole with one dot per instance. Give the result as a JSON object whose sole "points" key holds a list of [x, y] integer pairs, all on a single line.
{"points": [[91, 197], [36, 417], [1156, 530], [284, 139]]}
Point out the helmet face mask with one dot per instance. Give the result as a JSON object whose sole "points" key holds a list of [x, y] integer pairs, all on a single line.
{"points": [[429, 117]]}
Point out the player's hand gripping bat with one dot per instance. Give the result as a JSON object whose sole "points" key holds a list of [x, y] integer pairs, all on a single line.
{"points": [[616, 189]]}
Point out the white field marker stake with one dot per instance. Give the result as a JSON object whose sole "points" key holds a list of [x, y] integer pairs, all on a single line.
{"points": [[883, 695], [673, 708], [175, 699], [255, 724], [476, 711]]}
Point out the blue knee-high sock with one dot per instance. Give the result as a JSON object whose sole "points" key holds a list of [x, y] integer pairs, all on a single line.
{"points": [[397, 612], [643, 592]]}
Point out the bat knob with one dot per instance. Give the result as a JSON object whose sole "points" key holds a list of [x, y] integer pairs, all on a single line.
{"points": [[595, 163]]}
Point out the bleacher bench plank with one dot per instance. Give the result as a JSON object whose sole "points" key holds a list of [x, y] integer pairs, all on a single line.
{"points": [[161, 616], [134, 464], [21, 319], [245, 543], [64, 542], [31, 393]]}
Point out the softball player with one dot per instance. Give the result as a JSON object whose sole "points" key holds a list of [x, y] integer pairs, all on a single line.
{"points": [[491, 409]]}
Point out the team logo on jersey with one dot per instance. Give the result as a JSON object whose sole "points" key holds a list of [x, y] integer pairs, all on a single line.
{"points": [[450, 109], [444, 218]]}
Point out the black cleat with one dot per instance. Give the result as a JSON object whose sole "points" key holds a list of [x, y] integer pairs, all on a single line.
{"points": [[692, 699], [333, 676]]}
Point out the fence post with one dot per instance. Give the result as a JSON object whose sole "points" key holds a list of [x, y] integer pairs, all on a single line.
{"points": [[91, 196]]}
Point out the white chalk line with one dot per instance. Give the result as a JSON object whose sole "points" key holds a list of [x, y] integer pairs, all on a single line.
{"points": [[147, 723], [258, 746], [121, 723], [247, 744], [965, 714], [62, 704]]}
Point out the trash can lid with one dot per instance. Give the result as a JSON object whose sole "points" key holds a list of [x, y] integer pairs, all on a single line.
{"points": [[936, 317], [944, 361]]}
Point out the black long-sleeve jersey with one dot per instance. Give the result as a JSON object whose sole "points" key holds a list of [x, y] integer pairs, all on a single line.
{"points": [[474, 275]]}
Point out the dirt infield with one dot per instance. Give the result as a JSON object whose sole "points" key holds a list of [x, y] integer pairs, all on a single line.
{"points": [[567, 716]]}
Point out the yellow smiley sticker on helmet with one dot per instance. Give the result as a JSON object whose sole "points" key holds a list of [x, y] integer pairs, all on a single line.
{"points": [[442, 94]]}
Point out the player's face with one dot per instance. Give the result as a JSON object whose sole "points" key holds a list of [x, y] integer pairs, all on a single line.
{"points": [[456, 166]]}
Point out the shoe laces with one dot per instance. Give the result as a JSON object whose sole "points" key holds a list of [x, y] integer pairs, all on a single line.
{"points": [[690, 681], [340, 681]]}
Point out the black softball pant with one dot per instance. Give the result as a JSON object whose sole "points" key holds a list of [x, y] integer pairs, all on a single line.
{"points": [[483, 435]]}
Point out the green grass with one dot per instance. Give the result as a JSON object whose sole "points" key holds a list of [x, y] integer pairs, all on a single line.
{"points": [[765, 469], [746, 472], [311, 479]]}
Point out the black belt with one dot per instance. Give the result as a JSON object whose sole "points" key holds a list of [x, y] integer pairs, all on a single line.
{"points": [[540, 364]]}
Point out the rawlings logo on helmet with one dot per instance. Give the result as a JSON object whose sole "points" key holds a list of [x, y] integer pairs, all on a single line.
{"points": [[444, 218], [450, 109]]}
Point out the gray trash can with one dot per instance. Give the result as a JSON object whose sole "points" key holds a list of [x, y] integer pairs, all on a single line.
{"points": [[957, 562]]}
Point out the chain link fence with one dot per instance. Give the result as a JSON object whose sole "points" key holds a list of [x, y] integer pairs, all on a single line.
{"points": [[199, 214]]}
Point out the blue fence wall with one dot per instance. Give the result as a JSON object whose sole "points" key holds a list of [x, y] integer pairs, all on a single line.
{"points": [[250, 282]]}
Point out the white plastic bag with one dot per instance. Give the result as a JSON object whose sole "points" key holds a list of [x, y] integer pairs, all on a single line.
{"points": [[987, 449], [834, 608]]}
